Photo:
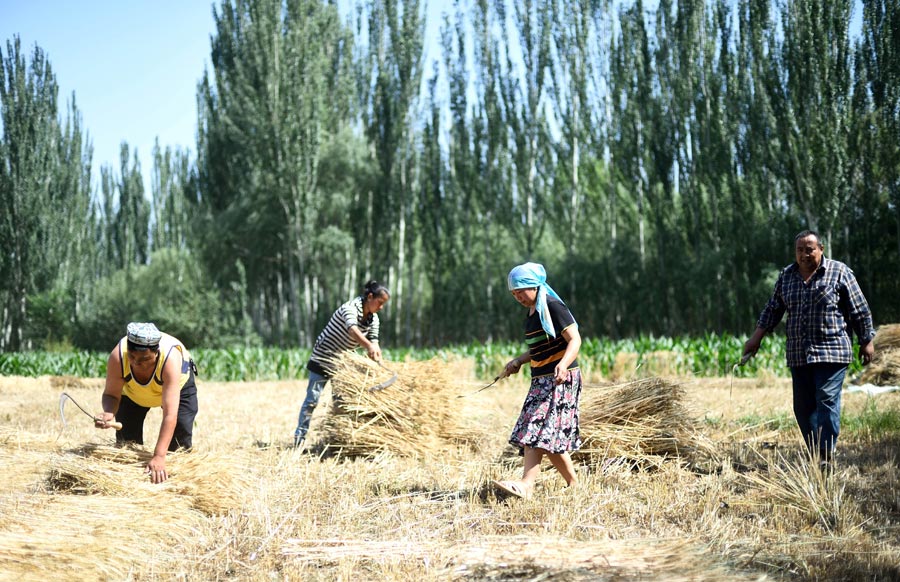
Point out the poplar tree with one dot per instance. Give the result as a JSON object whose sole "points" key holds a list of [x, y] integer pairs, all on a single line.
{"points": [[172, 180], [265, 112], [812, 103], [390, 91], [44, 192], [578, 82]]}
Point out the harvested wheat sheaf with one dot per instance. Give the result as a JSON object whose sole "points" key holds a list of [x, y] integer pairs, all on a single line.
{"points": [[210, 483], [643, 420], [887, 337], [411, 416], [885, 367]]}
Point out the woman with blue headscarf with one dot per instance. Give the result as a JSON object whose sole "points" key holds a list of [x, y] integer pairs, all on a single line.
{"points": [[548, 423]]}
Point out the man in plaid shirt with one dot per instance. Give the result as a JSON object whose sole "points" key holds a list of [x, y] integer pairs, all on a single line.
{"points": [[824, 304]]}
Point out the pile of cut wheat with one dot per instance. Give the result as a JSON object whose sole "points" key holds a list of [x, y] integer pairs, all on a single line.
{"points": [[210, 483], [410, 416], [885, 367], [643, 420]]}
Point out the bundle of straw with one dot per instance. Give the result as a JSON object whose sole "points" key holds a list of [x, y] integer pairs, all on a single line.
{"points": [[212, 484], [642, 420], [887, 337], [412, 416], [884, 370]]}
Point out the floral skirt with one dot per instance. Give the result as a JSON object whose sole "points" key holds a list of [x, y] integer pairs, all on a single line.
{"points": [[549, 417]]}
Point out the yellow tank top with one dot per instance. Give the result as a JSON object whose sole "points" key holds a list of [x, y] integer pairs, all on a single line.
{"points": [[150, 394]]}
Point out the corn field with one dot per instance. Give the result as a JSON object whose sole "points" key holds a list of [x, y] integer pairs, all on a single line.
{"points": [[707, 356]]}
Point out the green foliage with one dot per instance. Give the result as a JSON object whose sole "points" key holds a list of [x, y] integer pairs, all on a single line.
{"points": [[695, 356], [872, 421], [276, 94], [44, 190], [172, 291], [246, 364], [81, 364], [49, 318]]}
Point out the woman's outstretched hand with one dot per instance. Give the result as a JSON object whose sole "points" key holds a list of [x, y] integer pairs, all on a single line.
{"points": [[512, 367]]}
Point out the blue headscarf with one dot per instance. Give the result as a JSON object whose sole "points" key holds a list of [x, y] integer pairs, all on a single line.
{"points": [[533, 275]]}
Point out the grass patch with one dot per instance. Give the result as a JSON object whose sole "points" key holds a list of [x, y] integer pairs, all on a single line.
{"points": [[872, 421], [780, 421]]}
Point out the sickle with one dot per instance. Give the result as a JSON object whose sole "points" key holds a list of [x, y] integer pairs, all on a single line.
{"points": [[386, 383], [62, 403], [744, 359], [480, 389]]}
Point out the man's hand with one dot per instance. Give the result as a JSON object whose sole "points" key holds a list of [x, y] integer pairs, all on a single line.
{"points": [[866, 353], [156, 468], [751, 346], [104, 419]]}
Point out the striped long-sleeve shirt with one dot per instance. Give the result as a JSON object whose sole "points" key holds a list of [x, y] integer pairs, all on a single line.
{"points": [[336, 338], [821, 314]]}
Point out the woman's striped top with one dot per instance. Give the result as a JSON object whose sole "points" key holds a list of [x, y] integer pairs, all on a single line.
{"points": [[546, 351], [335, 338]]}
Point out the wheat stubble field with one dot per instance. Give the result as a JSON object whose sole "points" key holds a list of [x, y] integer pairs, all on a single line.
{"points": [[246, 506]]}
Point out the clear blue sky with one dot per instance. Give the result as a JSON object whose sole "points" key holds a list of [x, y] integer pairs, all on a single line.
{"points": [[133, 65]]}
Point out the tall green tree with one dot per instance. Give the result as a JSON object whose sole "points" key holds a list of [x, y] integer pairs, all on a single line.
{"points": [[131, 227], [577, 82], [44, 188], [391, 88], [631, 87], [276, 91], [812, 103], [524, 87], [876, 152], [172, 184]]}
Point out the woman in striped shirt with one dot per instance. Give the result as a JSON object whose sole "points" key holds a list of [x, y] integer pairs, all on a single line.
{"points": [[354, 324]]}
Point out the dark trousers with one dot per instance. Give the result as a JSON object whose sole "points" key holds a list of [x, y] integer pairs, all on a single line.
{"points": [[817, 404], [132, 416]]}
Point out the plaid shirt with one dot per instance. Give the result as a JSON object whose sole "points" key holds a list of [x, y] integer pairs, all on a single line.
{"points": [[821, 314]]}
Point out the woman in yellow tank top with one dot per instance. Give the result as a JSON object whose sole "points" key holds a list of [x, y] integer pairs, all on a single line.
{"points": [[149, 369]]}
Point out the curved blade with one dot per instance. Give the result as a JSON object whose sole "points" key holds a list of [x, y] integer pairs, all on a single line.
{"points": [[384, 384], [480, 389], [62, 405]]}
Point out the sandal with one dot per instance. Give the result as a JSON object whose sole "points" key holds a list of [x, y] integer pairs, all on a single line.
{"points": [[511, 488]]}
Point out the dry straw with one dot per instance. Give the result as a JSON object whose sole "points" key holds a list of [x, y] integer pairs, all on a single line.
{"points": [[549, 557], [644, 420], [413, 416], [66, 537], [885, 367], [210, 483]]}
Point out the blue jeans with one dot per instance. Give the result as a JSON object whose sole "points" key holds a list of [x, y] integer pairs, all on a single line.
{"points": [[313, 392], [817, 404]]}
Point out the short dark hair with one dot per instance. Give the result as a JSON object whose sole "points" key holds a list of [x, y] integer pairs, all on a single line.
{"points": [[806, 233], [375, 288]]}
